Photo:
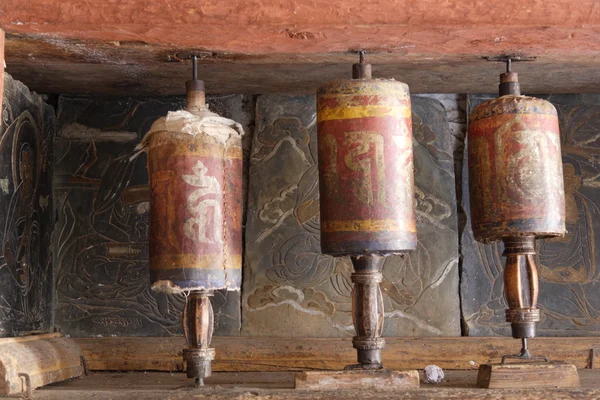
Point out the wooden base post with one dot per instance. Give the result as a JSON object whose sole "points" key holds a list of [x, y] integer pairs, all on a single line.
{"points": [[29, 362], [367, 311], [357, 379], [367, 316], [198, 328], [547, 375]]}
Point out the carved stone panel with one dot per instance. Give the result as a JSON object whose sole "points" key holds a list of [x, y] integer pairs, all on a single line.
{"points": [[289, 288], [102, 209], [26, 135], [569, 276]]}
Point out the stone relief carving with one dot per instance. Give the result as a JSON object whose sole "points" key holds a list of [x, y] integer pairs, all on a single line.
{"points": [[27, 133], [567, 266], [292, 289], [102, 205]]}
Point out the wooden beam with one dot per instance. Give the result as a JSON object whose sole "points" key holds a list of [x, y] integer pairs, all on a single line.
{"points": [[252, 46], [296, 354], [321, 26], [29, 362], [160, 385], [49, 65]]}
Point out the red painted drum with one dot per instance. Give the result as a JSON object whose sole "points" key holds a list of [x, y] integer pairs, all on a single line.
{"points": [[195, 170], [366, 167], [515, 169]]}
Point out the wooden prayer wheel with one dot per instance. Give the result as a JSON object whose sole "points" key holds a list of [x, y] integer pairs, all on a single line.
{"points": [[196, 214], [515, 169], [516, 189], [366, 190], [195, 169], [366, 167]]}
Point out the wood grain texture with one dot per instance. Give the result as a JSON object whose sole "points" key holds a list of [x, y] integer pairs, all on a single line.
{"points": [[68, 46], [528, 376], [357, 379], [295, 354], [269, 385], [307, 26], [123, 68], [30, 362]]}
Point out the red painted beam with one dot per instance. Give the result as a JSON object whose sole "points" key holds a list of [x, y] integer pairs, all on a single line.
{"points": [[422, 27], [1, 73]]}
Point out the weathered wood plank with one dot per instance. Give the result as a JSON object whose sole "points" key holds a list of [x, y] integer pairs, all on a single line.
{"points": [[22, 339], [306, 26], [30, 362], [253, 385], [357, 379], [126, 69], [295, 354], [127, 47], [528, 376]]}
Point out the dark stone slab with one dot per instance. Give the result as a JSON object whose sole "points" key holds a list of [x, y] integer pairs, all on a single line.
{"points": [[102, 205], [289, 288], [27, 133], [569, 273]]}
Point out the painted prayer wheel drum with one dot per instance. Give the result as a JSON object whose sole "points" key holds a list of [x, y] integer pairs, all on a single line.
{"points": [[366, 167], [515, 169], [196, 211]]}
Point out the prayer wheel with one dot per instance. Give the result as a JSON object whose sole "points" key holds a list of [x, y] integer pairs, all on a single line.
{"points": [[366, 167], [195, 169], [366, 189], [516, 190], [196, 214]]}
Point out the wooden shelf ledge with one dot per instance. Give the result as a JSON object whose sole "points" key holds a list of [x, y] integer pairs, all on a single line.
{"points": [[296, 354]]}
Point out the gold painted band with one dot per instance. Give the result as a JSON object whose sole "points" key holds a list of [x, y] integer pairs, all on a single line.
{"points": [[337, 113], [367, 225], [195, 261]]}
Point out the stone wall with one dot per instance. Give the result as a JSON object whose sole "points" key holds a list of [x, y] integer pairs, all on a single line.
{"points": [[78, 165], [26, 147]]}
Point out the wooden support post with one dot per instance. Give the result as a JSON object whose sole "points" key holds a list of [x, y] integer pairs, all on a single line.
{"points": [[367, 311], [198, 328], [29, 362]]}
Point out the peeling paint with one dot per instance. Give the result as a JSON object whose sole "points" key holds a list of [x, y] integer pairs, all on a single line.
{"points": [[4, 183]]}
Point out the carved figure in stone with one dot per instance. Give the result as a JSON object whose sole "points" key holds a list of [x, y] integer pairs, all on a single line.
{"points": [[25, 245]]}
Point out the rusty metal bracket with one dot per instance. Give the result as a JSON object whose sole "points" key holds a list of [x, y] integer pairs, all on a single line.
{"points": [[185, 57], [513, 57]]}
